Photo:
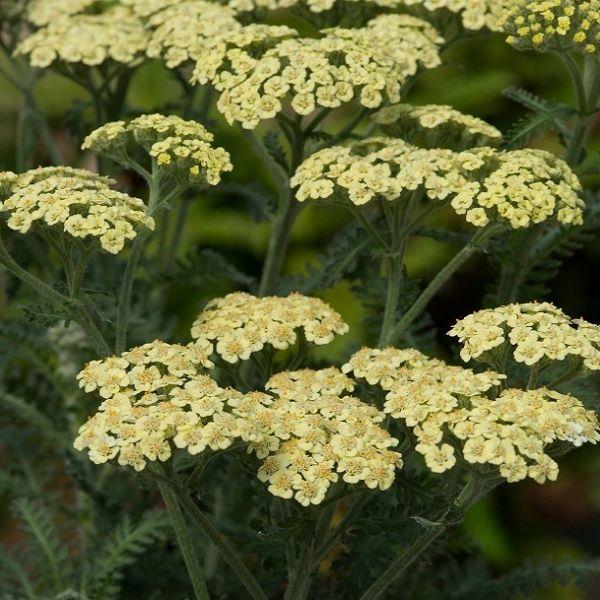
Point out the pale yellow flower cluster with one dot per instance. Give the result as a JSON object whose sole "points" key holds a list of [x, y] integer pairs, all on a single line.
{"points": [[518, 187], [443, 404], [43, 12], [181, 31], [79, 202], [115, 34], [558, 25], [313, 434], [436, 126], [369, 65], [474, 14], [180, 146], [512, 431], [535, 332], [154, 397], [240, 324]]}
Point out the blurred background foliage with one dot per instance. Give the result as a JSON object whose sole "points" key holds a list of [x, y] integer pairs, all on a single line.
{"points": [[518, 522]]}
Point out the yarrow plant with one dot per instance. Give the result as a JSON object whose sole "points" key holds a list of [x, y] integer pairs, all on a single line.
{"points": [[235, 406]]}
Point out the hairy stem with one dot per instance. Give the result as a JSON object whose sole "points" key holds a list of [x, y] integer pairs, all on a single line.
{"points": [[223, 544], [438, 281], [184, 541]]}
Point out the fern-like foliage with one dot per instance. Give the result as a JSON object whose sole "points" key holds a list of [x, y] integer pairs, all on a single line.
{"points": [[120, 550], [526, 261], [47, 554], [543, 115]]}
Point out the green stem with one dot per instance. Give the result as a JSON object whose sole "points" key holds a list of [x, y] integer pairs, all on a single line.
{"points": [[469, 494], [299, 583], [139, 245], [438, 282], [186, 545], [223, 544], [76, 309]]}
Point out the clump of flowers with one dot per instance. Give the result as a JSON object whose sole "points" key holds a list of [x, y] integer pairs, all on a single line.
{"points": [[79, 202], [180, 31], [535, 332], [443, 404], [183, 148], [42, 12], [553, 25], [156, 397], [115, 34], [436, 126], [314, 433], [519, 187], [240, 324], [368, 64]]}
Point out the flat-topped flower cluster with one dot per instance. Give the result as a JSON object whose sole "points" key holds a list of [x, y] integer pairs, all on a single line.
{"points": [[553, 25], [240, 324], [518, 187], [446, 405], [436, 126], [182, 147], [71, 36], [369, 64], [534, 332], [79, 202], [316, 433]]}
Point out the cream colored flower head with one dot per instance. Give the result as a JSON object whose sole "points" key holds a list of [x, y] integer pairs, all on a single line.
{"points": [[156, 398], [513, 431], [180, 31], [436, 126], [452, 409], [114, 35], [368, 65], [313, 434], [553, 25], [473, 14], [183, 148], [517, 188], [78, 202], [240, 324], [534, 332], [44, 12]]}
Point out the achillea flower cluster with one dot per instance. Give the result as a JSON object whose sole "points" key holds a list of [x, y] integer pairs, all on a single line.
{"points": [[181, 147], [181, 31], [474, 14], [79, 202], [558, 25], [518, 187], [313, 434], [42, 12], [534, 332], [155, 397], [368, 65], [436, 126], [115, 34], [240, 324], [443, 404]]}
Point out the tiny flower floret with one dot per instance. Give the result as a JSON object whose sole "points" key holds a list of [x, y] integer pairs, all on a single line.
{"points": [[79, 202], [438, 126], [240, 324], [42, 12], [313, 434], [518, 188], [446, 405], [533, 331], [115, 34], [369, 64], [184, 148], [156, 398], [553, 25]]}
